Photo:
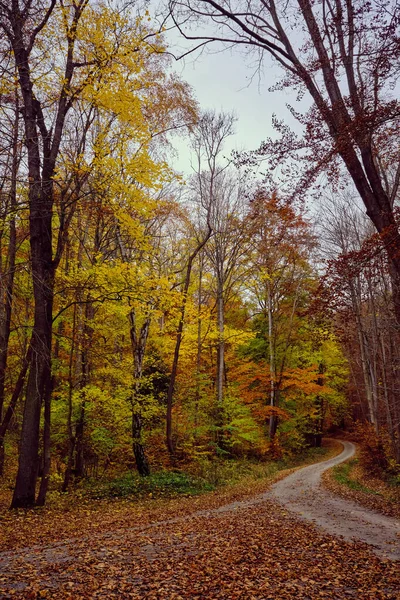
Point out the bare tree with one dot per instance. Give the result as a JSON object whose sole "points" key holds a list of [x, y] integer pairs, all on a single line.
{"points": [[346, 56], [358, 281]]}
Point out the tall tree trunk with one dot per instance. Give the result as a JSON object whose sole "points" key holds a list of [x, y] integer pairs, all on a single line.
{"points": [[7, 279], [273, 421], [364, 356], [320, 408], [199, 345], [87, 339], [221, 343], [40, 367], [220, 360], [138, 343], [70, 427]]}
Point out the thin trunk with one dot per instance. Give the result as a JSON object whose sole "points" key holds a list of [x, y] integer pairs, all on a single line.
{"points": [[364, 355], [273, 422], [220, 363], [79, 465], [387, 403], [87, 337], [138, 343], [14, 399], [70, 429], [174, 370], [320, 408], [199, 345], [7, 279], [221, 343]]}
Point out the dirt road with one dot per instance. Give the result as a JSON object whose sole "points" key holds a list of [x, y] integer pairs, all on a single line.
{"points": [[250, 550], [303, 494]]}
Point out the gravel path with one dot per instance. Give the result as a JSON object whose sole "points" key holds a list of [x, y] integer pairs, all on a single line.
{"points": [[254, 548], [302, 493]]}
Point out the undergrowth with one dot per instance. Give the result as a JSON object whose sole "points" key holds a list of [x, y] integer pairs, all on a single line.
{"points": [[343, 475], [161, 484], [201, 477]]}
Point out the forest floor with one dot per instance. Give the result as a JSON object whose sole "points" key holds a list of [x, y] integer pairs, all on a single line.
{"points": [[353, 482], [233, 544]]}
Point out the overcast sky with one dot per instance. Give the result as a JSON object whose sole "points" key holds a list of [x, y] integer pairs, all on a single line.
{"points": [[227, 81]]}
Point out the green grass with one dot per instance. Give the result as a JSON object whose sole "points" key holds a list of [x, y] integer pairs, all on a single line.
{"points": [[162, 484], [343, 474], [206, 476]]}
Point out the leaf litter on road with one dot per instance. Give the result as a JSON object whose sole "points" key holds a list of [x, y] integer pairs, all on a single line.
{"points": [[255, 552]]}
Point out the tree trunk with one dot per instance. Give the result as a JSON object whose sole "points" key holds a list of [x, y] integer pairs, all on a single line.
{"points": [[174, 370], [87, 338], [320, 408], [138, 343], [273, 421], [40, 366], [199, 345], [221, 343], [44, 484], [70, 428], [220, 361], [7, 279], [142, 463], [14, 399]]}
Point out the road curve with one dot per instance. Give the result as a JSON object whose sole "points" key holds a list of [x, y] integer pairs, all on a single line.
{"points": [[302, 493]]}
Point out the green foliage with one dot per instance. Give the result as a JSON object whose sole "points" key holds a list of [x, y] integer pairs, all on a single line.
{"points": [[240, 429], [292, 437], [343, 474], [162, 484]]}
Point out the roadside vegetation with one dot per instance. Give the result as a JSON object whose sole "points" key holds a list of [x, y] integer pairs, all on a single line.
{"points": [[95, 506], [371, 478]]}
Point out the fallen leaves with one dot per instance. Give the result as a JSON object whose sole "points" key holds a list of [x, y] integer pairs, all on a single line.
{"points": [[192, 548], [385, 499], [257, 552]]}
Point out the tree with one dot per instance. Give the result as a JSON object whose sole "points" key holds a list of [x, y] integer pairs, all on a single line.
{"points": [[98, 60], [355, 289], [346, 56], [221, 191], [280, 283]]}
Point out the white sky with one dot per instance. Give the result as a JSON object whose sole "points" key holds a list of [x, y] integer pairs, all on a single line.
{"points": [[225, 81]]}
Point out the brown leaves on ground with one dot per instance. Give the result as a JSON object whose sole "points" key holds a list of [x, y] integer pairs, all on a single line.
{"points": [[381, 497], [256, 552], [67, 515], [186, 548]]}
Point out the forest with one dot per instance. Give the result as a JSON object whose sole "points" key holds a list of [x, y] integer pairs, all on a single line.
{"points": [[168, 323]]}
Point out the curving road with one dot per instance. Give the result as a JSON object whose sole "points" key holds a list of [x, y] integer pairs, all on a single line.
{"points": [[302, 493]]}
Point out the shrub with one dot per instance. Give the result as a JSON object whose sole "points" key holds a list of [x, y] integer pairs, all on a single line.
{"points": [[164, 483], [376, 451]]}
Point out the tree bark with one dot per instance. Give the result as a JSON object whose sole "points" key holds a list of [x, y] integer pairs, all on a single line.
{"points": [[7, 279], [138, 344]]}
